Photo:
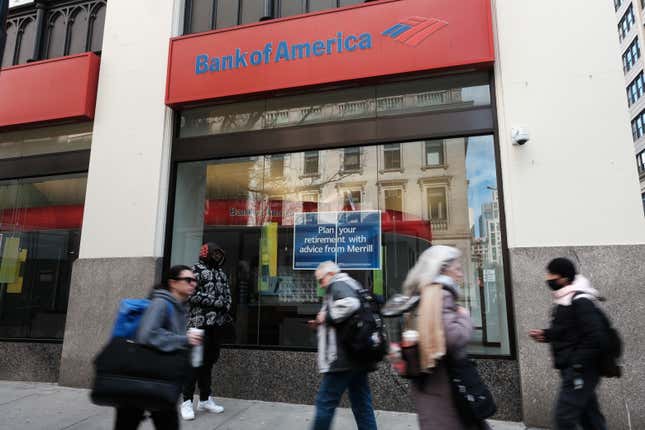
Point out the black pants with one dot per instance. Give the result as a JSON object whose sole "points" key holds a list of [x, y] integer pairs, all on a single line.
{"points": [[202, 375], [130, 418], [579, 406]]}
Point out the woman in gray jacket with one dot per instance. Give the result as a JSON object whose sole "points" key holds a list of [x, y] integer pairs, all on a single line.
{"points": [[164, 330], [444, 330]]}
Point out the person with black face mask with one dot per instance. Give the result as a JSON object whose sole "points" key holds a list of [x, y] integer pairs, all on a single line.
{"points": [[577, 336], [210, 307]]}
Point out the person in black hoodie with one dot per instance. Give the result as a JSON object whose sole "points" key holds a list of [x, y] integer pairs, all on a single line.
{"points": [[577, 336], [210, 307]]}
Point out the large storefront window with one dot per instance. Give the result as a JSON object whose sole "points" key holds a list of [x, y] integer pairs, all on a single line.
{"points": [[425, 192], [40, 225]]}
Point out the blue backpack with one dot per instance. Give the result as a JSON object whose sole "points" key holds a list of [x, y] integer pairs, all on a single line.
{"points": [[129, 316]]}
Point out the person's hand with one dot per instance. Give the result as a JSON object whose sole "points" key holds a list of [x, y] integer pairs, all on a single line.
{"points": [[463, 311], [537, 335], [320, 318], [312, 323], [194, 339]]}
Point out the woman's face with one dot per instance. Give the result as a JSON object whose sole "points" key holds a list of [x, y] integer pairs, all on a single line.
{"points": [[184, 285], [455, 271]]}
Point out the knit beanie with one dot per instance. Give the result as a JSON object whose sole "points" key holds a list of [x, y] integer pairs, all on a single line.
{"points": [[563, 267]]}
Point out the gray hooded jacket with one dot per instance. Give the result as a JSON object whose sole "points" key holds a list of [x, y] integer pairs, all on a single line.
{"points": [[160, 329], [340, 302]]}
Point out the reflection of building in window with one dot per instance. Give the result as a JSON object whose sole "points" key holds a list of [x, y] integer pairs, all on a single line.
{"points": [[392, 156], [310, 167], [276, 165], [351, 200], [437, 204], [351, 159], [309, 201], [393, 199], [489, 229], [434, 153]]}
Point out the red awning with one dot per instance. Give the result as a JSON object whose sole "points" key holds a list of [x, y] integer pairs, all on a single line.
{"points": [[57, 90]]}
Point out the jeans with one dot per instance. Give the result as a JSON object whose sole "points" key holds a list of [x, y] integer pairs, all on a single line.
{"points": [[331, 389], [579, 405], [130, 418], [202, 375]]}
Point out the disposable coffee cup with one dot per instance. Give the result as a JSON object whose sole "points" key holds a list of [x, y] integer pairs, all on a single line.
{"points": [[197, 353], [410, 337]]}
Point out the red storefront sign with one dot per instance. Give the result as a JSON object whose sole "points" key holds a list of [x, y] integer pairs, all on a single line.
{"points": [[240, 213], [382, 38], [60, 89]]}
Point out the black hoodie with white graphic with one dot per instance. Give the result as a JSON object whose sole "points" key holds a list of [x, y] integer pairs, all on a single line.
{"points": [[210, 304]]}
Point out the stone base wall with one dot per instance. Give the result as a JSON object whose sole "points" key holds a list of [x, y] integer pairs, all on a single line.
{"points": [[619, 273], [26, 361], [97, 287]]}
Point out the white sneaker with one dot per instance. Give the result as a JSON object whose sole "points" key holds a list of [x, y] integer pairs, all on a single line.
{"points": [[210, 406], [187, 411]]}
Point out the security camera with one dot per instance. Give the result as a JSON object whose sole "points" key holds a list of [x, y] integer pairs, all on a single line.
{"points": [[520, 135]]}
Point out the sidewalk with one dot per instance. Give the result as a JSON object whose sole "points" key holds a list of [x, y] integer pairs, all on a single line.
{"points": [[31, 406]]}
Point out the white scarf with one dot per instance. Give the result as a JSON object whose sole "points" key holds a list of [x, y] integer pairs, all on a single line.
{"points": [[564, 296]]}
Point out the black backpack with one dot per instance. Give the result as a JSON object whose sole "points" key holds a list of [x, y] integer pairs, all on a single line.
{"points": [[609, 365], [363, 334]]}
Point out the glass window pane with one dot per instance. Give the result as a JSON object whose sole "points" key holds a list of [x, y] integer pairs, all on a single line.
{"points": [[292, 7], [227, 13], [311, 163], [249, 206], [201, 15], [425, 95], [46, 140], [40, 224], [27, 41], [78, 32], [252, 11], [434, 153], [56, 37], [317, 5], [98, 24], [351, 159], [10, 46], [350, 2]]}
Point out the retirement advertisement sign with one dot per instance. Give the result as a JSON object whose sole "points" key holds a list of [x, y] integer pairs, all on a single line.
{"points": [[350, 239]]}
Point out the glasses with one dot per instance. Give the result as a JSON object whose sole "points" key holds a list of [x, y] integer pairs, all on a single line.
{"points": [[187, 279]]}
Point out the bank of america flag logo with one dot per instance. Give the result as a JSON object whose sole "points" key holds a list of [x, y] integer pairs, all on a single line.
{"points": [[414, 30]]}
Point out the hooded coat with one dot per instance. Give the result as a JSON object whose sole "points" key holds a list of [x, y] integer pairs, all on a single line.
{"points": [[577, 333], [340, 302], [210, 304], [161, 328]]}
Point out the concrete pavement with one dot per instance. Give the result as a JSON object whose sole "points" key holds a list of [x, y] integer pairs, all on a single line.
{"points": [[37, 406]]}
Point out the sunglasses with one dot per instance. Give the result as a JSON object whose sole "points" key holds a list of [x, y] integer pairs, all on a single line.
{"points": [[187, 279]]}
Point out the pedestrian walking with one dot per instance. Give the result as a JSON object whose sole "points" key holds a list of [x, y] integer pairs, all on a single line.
{"points": [[444, 329], [577, 336], [163, 330], [210, 307], [340, 372]]}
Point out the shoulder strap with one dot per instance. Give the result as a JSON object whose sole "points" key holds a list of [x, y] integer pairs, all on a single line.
{"points": [[583, 295]]}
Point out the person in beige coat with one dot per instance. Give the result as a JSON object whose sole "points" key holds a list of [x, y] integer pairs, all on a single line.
{"points": [[444, 330]]}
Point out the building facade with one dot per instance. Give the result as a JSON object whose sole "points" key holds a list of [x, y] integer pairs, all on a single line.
{"points": [[250, 122], [631, 36]]}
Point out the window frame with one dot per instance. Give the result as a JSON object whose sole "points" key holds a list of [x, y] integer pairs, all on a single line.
{"points": [[406, 127], [631, 55], [389, 148], [626, 23], [441, 152]]}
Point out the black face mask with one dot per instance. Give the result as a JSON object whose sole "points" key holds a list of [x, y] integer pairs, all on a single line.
{"points": [[553, 284]]}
